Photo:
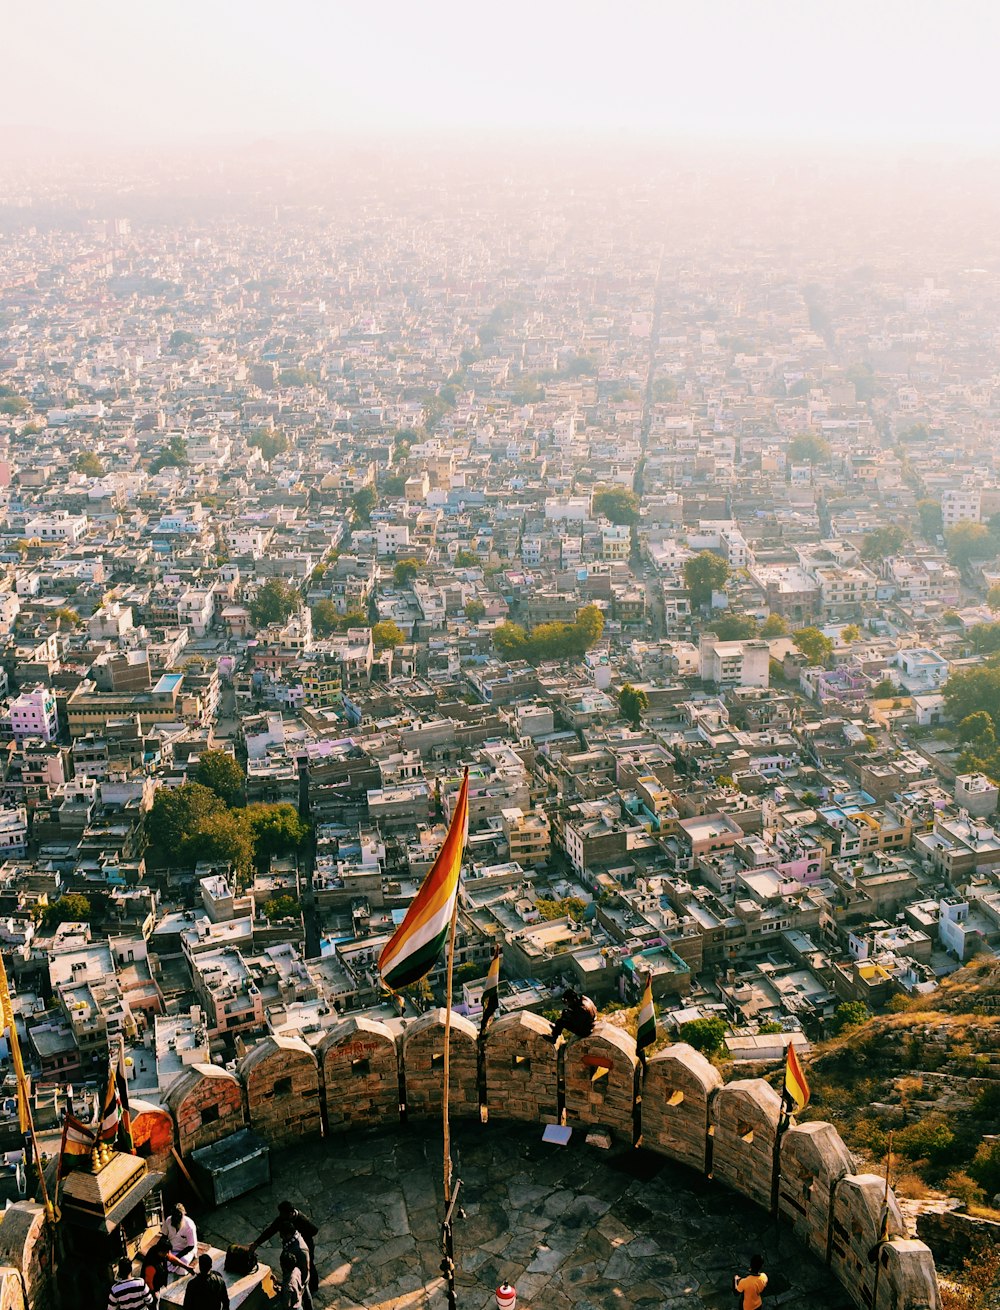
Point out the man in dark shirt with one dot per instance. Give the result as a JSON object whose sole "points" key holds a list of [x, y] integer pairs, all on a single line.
{"points": [[207, 1290], [306, 1229], [578, 1016]]}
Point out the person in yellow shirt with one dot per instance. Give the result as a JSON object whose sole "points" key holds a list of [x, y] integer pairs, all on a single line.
{"points": [[751, 1286]]}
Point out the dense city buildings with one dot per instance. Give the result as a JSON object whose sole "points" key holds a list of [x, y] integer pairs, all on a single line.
{"points": [[678, 528]]}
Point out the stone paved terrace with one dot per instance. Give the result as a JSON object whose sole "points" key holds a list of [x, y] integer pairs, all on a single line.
{"points": [[569, 1225]]}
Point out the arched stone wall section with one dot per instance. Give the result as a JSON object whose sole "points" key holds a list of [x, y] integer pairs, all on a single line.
{"points": [[360, 1070], [813, 1160], [423, 1061], [599, 1074], [677, 1085], [744, 1121], [281, 1077], [26, 1239], [207, 1104], [154, 1134], [521, 1069], [856, 1225], [907, 1278]]}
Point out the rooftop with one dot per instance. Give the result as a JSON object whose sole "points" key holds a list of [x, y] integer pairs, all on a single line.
{"points": [[567, 1225]]}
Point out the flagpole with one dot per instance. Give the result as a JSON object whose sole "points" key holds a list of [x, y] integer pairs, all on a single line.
{"points": [[447, 1227]]}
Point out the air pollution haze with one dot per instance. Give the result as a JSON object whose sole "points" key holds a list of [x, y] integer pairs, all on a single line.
{"points": [[519, 481]]}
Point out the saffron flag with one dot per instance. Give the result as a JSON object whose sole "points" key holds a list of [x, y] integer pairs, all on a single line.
{"points": [[77, 1138], [646, 1032], [111, 1116], [416, 945], [122, 1085], [491, 992], [796, 1090]]}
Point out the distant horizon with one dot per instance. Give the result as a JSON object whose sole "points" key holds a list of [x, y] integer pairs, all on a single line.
{"points": [[910, 74]]}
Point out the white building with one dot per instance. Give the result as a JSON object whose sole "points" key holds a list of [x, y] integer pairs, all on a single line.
{"points": [[59, 525], [733, 663], [960, 505]]}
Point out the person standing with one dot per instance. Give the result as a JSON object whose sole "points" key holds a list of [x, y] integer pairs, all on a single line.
{"points": [[293, 1288], [306, 1229], [207, 1290], [127, 1291], [293, 1244], [751, 1286], [179, 1227]]}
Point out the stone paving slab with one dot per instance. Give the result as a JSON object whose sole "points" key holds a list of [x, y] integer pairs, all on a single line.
{"points": [[571, 1226]]}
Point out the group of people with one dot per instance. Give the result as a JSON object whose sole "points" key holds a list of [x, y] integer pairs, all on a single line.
{"points": [[177, 1244]]}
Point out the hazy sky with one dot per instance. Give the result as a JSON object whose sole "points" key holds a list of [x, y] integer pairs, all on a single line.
{"points": [[859, 70]]}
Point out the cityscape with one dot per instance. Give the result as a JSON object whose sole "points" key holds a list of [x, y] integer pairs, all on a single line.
{"points": [[656, 492]]}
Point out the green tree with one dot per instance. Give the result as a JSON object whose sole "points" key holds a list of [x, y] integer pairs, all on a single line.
{"points": [[993, 597], [180, 338], [268, 442], [509, 641], [73, 907], [325, 618], [703, 574], [931, 520], [617, 504], [175, 812], [850, 632], [633, 703], [705, 1035], [734, 627], [474, 610], [768, 1027], [220, 838], [883, 543], [968, 541], [850, 1014], [276, 601], [386, 633], [590, 624], [89, 464], [466, 559], [816, 647], [775, 625], [884, 689], [404, 571], [282, 907], [985, 637], [274, 830], [220, 773], [808, 448], [985, 1167], [69, 618], [568, 907], [172, 455], [297, 377], [362, 503], [978, 728], [970, 690], [13, 405]]}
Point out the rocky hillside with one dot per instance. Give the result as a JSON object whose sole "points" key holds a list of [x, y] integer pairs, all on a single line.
{"points": [[929, 1073]]}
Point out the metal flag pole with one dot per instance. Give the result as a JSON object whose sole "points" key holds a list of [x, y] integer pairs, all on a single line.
{"points": [[450, 1196]]}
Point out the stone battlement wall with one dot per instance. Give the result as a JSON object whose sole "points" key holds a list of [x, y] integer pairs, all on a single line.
{"points": [[361, 1076]]}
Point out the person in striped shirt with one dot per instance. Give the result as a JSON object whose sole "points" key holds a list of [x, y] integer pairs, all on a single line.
{"points": [[129, 1292]]}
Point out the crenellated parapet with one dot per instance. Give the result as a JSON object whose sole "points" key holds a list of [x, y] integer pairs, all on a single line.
{"points": [[600, 1074], [207, 1104], [365, 1075], [422, 1056], [281, 1077], [359, 1065], [678, 1084], [521, 1069]]}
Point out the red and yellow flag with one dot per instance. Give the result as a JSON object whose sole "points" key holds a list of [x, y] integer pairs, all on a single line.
{"points": [[796, 1087], [415, 946]]}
